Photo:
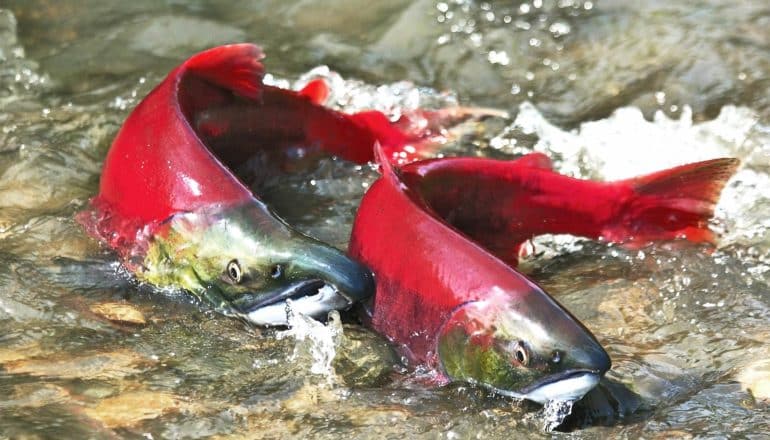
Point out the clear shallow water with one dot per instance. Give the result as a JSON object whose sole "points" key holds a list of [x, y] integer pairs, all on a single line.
{"points": [[687, 329]]}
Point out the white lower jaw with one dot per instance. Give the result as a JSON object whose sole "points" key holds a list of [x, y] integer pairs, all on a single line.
{"points": [[316, 306], [569, 389], [572, 388]]}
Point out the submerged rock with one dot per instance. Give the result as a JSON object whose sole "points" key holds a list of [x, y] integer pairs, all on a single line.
{"points": [[119, 312], [131, 408], [111, 365]]}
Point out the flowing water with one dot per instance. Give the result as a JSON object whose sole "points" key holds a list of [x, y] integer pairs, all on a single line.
{"points": [[608, 88]]}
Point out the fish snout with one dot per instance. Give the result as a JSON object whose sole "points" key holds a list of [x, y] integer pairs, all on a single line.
{"points": [[315, 280], [584, 353], [348, 277], [595, 358]]}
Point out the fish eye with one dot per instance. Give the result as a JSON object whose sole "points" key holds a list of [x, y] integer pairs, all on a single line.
{"points": [[234, 271], [521, 354], [556, 357], [276, 271]]}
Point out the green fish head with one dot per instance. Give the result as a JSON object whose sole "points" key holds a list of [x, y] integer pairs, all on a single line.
{"points": [[245, 261], [524, 346]]}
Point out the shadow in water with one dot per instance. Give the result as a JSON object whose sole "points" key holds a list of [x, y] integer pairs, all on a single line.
{"points": [[610, 403]]}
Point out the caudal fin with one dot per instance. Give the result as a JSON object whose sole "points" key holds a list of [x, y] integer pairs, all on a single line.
{"points": [[673, 203]]}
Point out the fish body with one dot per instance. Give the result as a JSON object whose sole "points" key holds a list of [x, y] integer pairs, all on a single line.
{"points": [[170, 205], [440, 236]]}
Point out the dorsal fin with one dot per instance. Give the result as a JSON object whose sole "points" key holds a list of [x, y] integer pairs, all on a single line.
{"points": [[236, 67], [387, 168], [316, 90], [535, 160]]}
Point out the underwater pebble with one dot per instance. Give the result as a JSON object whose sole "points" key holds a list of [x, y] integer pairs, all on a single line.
{"points": [[119, 312], [11, 354], [308, 398], [104, 365], [35, 396], [130, 408]]}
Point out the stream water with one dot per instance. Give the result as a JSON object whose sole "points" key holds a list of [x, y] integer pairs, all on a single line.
{"points": [[608, 88]]}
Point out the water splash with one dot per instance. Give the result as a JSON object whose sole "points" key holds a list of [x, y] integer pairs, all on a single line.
{"points": [[555, 412], [316, 342], [604, 149], [351, 95]]}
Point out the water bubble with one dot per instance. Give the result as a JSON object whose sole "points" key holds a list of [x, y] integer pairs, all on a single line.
{"points": [[559, 29], [498, 57]]}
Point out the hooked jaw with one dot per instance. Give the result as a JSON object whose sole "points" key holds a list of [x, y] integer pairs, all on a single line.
{"points": [[320, 279], [540, 354]]}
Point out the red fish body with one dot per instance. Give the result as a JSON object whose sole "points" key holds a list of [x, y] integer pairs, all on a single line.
{"points": [[177, 147], [171, 207], [442, 238]]}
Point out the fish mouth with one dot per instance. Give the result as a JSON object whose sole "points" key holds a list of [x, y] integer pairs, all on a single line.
{"points": [[567, 385], [313, 297]]}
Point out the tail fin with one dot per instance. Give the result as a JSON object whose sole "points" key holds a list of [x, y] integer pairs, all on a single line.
{"points": [[674, 203], [236, 67]]}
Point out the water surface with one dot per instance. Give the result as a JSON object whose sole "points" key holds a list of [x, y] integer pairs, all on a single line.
{"points": [[609, 89]]}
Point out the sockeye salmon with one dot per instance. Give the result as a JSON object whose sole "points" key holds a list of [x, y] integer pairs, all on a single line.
{"points": [[442, 237]]}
